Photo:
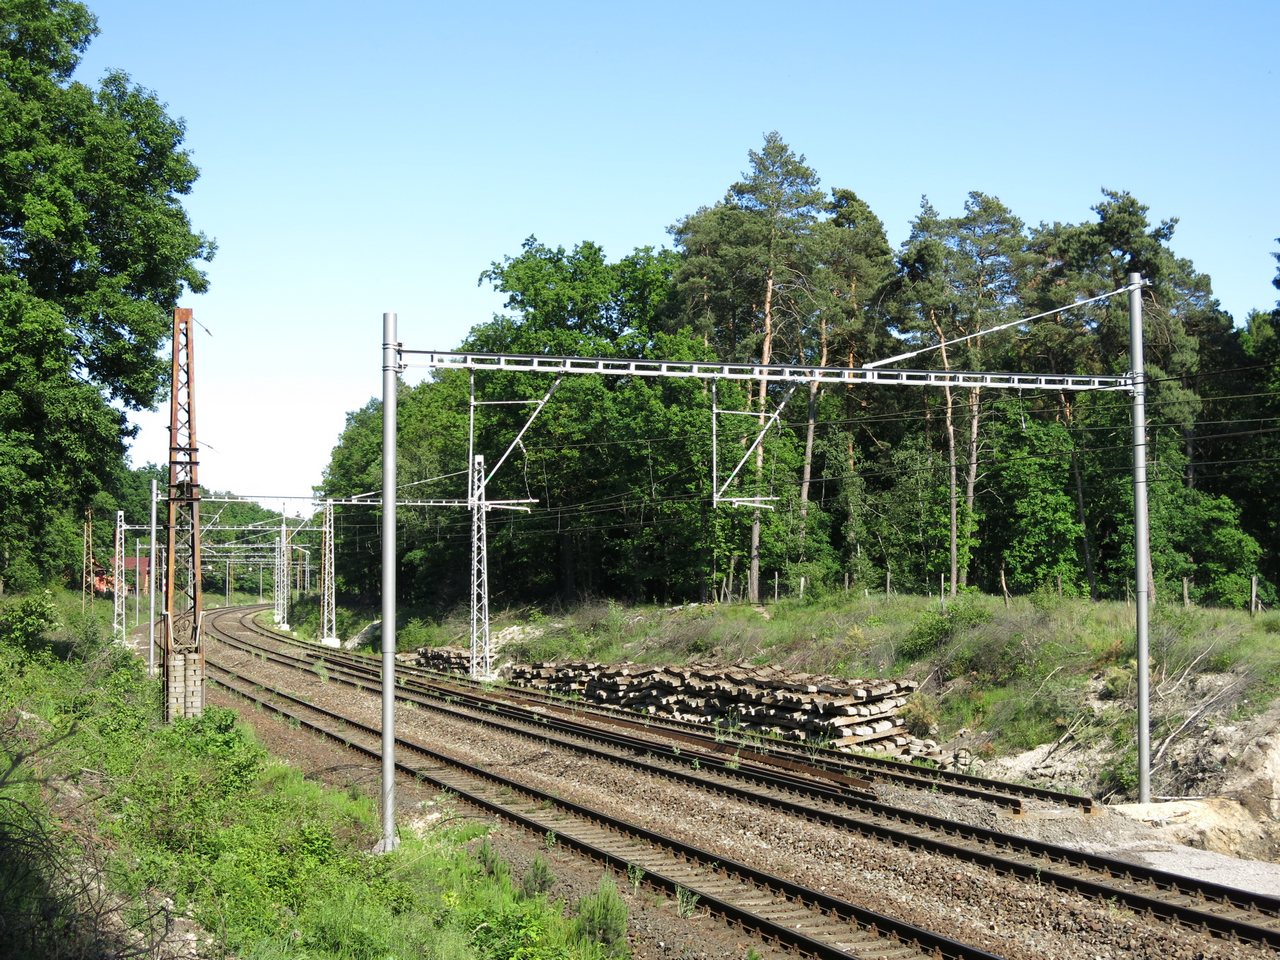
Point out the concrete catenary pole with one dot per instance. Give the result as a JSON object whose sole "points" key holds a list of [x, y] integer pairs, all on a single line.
{"points": [[1141, 536], [390, 369]]}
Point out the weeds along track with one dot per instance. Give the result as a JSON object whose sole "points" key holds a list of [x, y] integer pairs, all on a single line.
{"points": [[844, 803], [788, 914]]}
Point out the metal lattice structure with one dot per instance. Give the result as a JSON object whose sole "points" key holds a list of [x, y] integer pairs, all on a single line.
{"points": [[276, 615], [446, 360], [328, 590], [86, 562], [481, 652], [119, 613], [282, 573], [182, 652]]}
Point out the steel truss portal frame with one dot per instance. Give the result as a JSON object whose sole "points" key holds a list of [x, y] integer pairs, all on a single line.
{"points": [[532, 363], [790, 375]]}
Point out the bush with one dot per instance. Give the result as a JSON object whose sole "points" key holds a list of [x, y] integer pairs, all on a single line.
{"points": [[538, 879], [920, 714], [602, 917], [1120, 775], [934, 629], [492, 864], [194, 818], [24, 622], [1117, 682]]}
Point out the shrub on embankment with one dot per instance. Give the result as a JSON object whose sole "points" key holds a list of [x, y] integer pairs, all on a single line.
{"points": [[118, 831]]}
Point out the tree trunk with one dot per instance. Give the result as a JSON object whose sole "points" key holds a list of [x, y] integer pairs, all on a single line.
{"points": [[1085, 547], [1077, 483], [766, 354], [568, 568], [951, 459], [1189, 445], [806, 475], [971, 473]]}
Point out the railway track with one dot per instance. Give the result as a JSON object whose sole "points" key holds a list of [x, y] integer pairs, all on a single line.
{"points": [[782, 912], [811, 762], [1225, 911], [817, 762]]}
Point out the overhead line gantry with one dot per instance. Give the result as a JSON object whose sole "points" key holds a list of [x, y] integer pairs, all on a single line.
{"points": [[536, 363], [395, 359]]}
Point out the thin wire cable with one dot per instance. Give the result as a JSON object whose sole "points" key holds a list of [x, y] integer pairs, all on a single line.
{"points": [[997, 328]]}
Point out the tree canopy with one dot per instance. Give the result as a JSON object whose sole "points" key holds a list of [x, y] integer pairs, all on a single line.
{"points": [[869, 485], [95, 252]]}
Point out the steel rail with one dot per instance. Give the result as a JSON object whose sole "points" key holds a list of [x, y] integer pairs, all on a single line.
{"points": [[719, 755], [680, 768], [830, 928], [1257, 916], [999, 792], [816, 763]]}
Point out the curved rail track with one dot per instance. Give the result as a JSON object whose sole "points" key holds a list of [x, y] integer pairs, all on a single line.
{"points": [[826, 796], [790, 914]]}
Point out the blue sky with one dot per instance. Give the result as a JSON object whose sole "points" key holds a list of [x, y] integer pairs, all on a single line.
{"points": [[357, 158]]}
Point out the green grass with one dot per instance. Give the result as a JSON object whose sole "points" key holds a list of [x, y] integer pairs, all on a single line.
{"points": [[272, 865]]}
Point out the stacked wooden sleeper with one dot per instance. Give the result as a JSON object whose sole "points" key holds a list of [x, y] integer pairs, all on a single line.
{"points": [[848, 715]]}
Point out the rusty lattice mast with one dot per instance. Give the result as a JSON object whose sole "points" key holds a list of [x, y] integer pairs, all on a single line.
{"points": [[183, 653]]}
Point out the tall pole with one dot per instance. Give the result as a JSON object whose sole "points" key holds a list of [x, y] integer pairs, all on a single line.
{"points": [[1141, 535], [151, 589], [137, 580], [86, 561], [328, 591], [120, 615], [390, 368], [481, 652], [283, 586], [182, 650], [280, 587]]}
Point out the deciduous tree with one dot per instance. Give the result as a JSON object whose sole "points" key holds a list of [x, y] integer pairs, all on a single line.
{"points": [[95, 251]]}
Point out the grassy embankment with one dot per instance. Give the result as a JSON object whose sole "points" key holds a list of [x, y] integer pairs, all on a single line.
{"points": [[115, 827], [1017, 675]]}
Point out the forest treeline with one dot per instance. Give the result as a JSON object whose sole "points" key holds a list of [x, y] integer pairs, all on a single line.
{"points": [[870, 485]]}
